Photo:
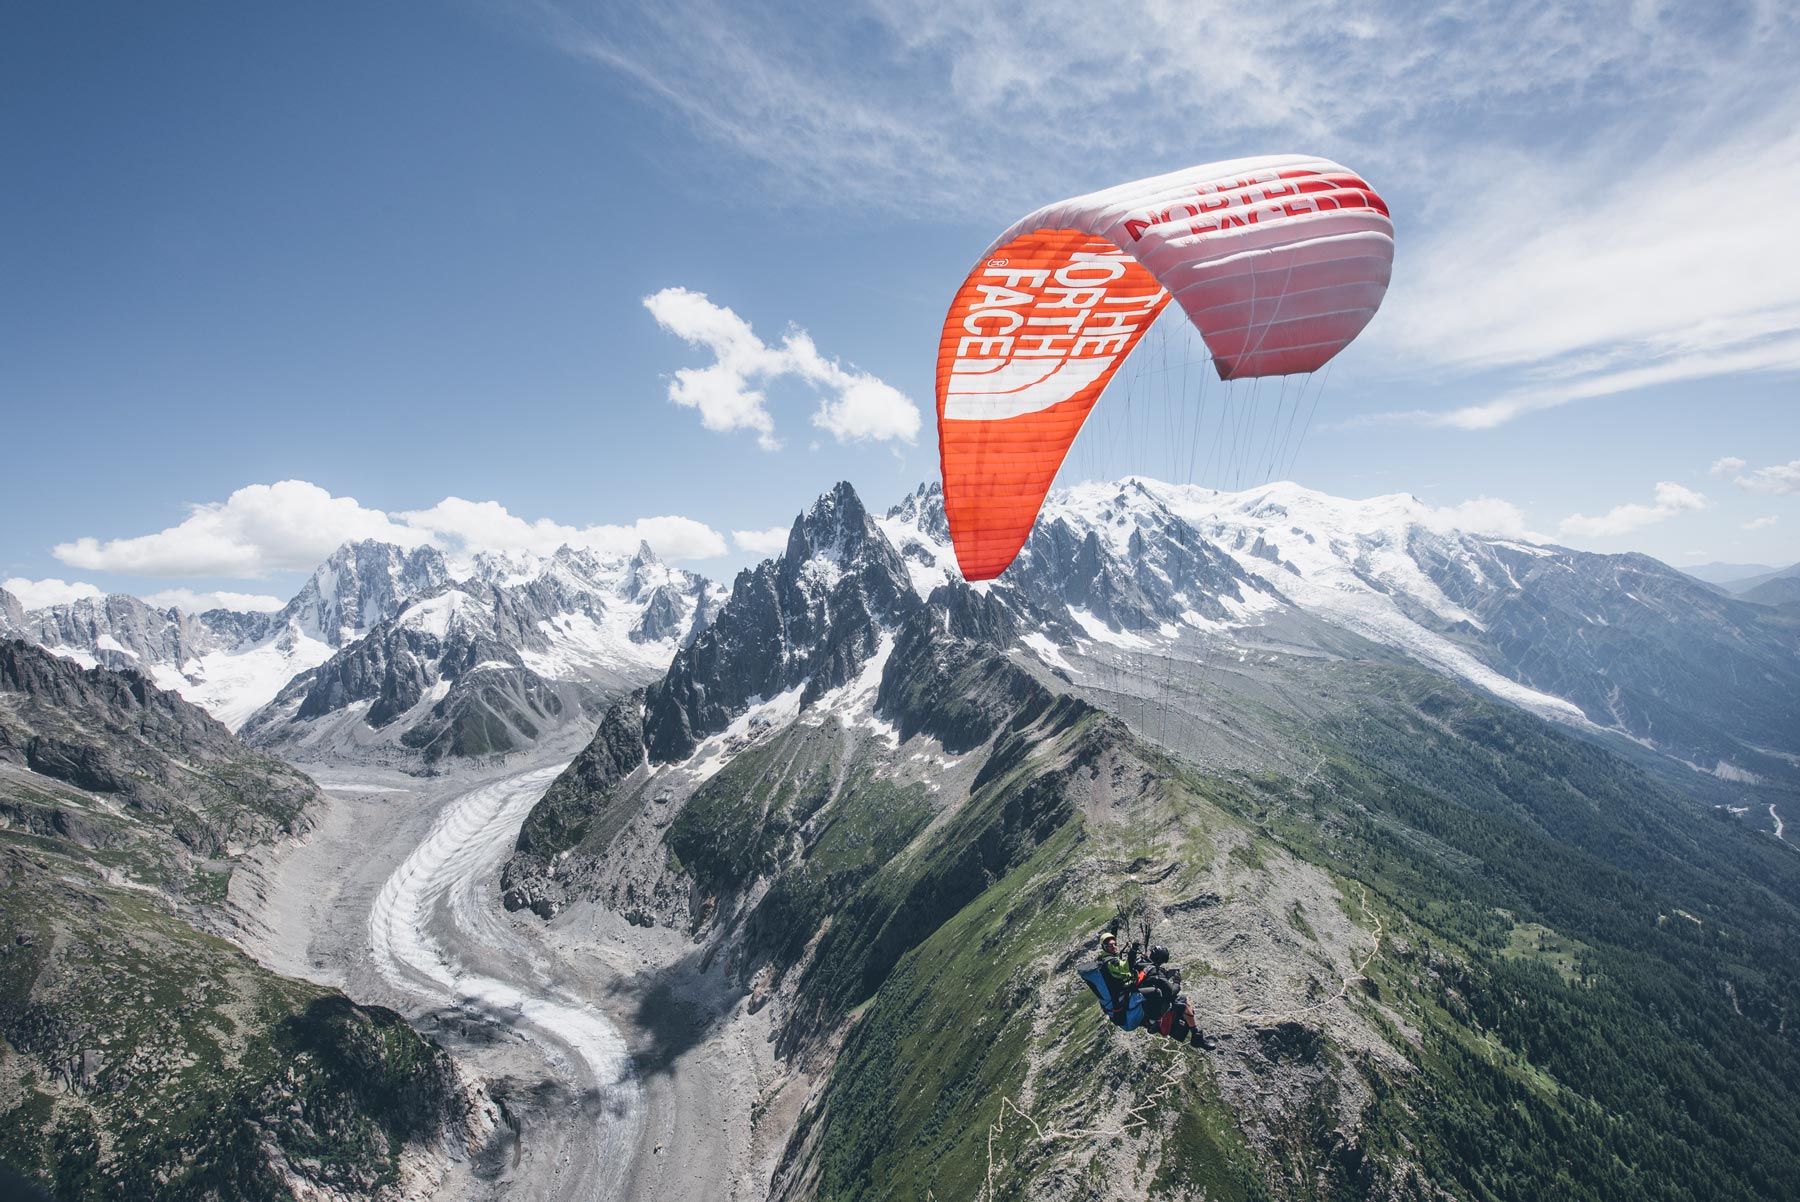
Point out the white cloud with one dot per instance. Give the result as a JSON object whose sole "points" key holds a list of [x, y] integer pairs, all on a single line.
{"points": [[261, 528], [1670, 499], [1782, 478], [772, 541], [474, 526], [294, 525], [866, 409], [1483, 515], [854, 406], [36, 594], [1726, 466], [722, 391], [1762, 523], [189, 601], [674, 537]]}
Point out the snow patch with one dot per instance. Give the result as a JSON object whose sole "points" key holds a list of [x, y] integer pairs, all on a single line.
{"points": [[1100, 632], [107, 642], [232, 685], [433, 615], [853, 703], [85, 658], [1047, 651], [761, 719]]}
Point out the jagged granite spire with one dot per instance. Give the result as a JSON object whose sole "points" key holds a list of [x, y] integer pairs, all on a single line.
{"points": [[811, 617]]}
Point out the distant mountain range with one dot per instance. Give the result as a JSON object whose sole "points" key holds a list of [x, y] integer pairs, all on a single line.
{"points": [[387, 652], [1617, 643], [231, 663], [1728, 574], [484, 665], [381, 640], [1772, 588]]}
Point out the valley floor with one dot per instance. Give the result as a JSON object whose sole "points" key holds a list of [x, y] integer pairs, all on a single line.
{"points": [[625, 1069]]}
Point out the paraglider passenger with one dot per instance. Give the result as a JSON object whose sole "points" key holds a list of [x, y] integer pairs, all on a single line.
{"points": [[1120, 969]]}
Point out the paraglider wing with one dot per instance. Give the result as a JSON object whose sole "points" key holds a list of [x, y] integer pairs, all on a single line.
{"points": [[1278, 261], [1128, 1014]]}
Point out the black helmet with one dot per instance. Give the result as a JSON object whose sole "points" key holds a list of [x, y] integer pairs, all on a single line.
{"points": [[1159, 955]]}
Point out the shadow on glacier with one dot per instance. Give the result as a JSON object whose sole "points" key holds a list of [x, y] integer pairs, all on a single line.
{"points": [[675, 1009]]}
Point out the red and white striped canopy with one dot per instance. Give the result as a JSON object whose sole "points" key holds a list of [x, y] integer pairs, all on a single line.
{"points": [[1278, 261]]}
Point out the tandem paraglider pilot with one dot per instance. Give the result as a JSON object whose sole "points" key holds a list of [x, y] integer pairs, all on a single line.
{"points": [[1142, 993]]}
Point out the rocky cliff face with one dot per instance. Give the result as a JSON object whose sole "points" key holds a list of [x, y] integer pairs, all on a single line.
{"points": [[808, 620], [121, 632], [359, 586], [119, 737], [12, 616]]}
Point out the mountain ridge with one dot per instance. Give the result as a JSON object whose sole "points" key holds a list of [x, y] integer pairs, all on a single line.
{"points": [[894, 856]]}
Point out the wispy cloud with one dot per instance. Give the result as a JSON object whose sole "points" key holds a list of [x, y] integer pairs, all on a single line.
{"points": [[1590, 291], [975, 108], [1761, 355], [1781, 478], [1726, 465], [1762, 523], [294, 524], [854, 406], [1670, 499], [1580, 189]]}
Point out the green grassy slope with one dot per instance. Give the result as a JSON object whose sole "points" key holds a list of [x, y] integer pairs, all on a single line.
{"points": [[141, 1057], [1583, 989], [145, 1059]]}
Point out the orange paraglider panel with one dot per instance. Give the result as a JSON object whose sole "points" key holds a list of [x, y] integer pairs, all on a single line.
{"points": [[1279, 262]]}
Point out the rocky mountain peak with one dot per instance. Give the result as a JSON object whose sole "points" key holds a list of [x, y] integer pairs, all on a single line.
{"points": [[835, 527], [359, 585], [809, 620], [923, 508]]}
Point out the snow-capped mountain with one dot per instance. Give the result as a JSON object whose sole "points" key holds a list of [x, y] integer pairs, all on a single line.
{"points": [[1616, 642], [806, 620], [360, 586], [486, 664], [1205, 620], [231, 663]]}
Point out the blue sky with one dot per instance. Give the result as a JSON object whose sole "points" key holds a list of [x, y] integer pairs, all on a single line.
{"points": [[394, 254]]}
